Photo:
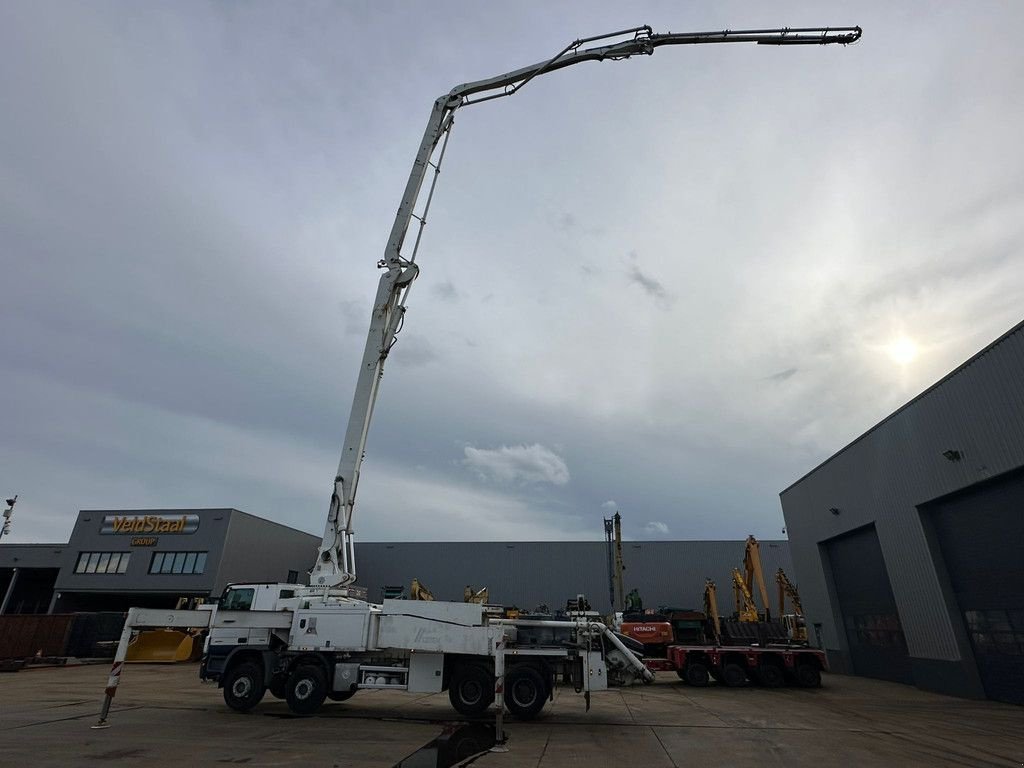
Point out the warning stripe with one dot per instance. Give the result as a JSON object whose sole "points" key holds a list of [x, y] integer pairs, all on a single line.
{"points": [[114, 678]]}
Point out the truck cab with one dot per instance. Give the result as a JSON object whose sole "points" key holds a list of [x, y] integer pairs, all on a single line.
{"points": [[260, 597]]}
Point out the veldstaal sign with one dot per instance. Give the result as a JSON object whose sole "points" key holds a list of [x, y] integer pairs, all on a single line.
{"points": [[161, 524]]}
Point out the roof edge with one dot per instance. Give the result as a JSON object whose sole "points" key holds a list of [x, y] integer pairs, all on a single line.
{"points": [[978, 355]]}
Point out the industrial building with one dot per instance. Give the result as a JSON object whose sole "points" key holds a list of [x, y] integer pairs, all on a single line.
{"points": [[908, 542], [116, 559], [531, 573]]}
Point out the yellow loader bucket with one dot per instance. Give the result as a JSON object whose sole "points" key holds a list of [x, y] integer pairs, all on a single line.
{"points": [[163, 645]]}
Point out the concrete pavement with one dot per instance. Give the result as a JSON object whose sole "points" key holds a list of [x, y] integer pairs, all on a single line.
{"points": [[163, 713]]}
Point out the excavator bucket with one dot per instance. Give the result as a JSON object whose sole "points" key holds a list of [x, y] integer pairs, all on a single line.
{"points": [[164, 646]]}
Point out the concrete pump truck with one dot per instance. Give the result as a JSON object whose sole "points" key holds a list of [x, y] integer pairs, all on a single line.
{"points": [[309, 643]]}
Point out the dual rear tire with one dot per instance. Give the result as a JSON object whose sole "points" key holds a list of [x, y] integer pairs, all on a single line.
{"points": [[771, 675], [471, 691], [526, 691], [695, 673], [807, 675]]}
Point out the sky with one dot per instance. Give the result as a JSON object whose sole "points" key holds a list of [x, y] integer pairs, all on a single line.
{"points": [[669, 286]]}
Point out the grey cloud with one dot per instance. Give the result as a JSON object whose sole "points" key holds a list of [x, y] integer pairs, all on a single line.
{"points": [[518, 464], [650, 285], [415, 351], [445, 291], [782, 375]]}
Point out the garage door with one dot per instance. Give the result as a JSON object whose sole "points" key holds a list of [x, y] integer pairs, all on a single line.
{"points": [[981, 535], [878, 647]]}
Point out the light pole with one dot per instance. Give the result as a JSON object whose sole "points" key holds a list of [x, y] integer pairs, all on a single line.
{"points": [[6, 528]]}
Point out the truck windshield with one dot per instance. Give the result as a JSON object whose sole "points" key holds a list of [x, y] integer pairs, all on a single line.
{"points": [[238, 600]]}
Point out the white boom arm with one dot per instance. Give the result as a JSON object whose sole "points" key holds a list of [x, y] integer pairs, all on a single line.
{"points": [[336, 565]]}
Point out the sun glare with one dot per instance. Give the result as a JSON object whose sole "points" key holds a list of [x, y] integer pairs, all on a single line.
{"points": [[902, 350]]}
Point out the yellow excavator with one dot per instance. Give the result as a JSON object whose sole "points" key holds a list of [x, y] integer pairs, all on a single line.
{"points": [[795, 623], [166, 646], [470, 595], [418, 591], [711, 609], [746, 609], [754, 575]]}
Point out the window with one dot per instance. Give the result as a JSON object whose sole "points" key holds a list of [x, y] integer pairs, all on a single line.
{"points": [[188, 563], [238, 599], [997, 631], [293, 577], [102, 562]]}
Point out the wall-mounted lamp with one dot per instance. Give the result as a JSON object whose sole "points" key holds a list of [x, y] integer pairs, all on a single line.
{"points": [[953, 455], [834, 510]]}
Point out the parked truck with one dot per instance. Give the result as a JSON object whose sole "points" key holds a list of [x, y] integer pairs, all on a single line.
{"points": [[702, 646], [325, 641]]}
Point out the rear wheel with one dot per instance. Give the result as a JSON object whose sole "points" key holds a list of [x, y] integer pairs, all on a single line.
{"points": [[733, 675], [306, 690], [808, 675], [771, 675], [696, 674], [525, 692], [471, 690], [243, 686]]}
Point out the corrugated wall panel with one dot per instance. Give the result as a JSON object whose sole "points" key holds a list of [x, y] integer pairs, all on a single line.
{"points": [[529, 573], [884, 476]]}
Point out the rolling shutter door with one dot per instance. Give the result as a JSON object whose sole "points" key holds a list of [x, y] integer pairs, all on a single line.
{"points": [[877, 645], [981, 535]]}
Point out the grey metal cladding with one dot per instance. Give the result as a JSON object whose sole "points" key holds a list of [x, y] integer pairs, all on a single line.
{"points": [[256, 549], [529, 573], [87, 536], [33, 555], [885, 474]]}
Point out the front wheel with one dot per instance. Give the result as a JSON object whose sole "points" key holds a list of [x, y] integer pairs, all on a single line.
{"points": [[306, 690], [243, 686], [525, 692]]}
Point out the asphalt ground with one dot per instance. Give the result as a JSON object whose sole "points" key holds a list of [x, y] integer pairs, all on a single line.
{"points": [[163, 715]]}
